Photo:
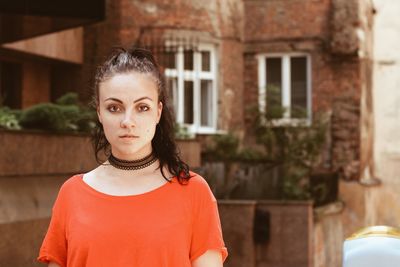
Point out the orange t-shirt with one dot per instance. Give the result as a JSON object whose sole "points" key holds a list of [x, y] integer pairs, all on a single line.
{"points": [[169, 226]]}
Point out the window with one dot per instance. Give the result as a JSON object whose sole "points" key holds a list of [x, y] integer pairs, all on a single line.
{"points": [[191, 82], [284, 82], [10, 84]]}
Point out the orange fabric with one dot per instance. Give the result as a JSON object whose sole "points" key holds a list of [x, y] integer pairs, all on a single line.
{"points": [[168, 226]]}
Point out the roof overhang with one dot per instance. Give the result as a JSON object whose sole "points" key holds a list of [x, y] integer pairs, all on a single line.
{"points": [[22, 19]]}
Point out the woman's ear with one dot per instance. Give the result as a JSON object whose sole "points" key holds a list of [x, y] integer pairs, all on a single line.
{"points": [[98, 114], [159, 111]]}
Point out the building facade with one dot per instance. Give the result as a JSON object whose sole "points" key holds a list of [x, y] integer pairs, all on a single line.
{"points": [[222, 59]]}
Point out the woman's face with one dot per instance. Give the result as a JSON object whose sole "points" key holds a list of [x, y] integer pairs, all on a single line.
{"points": [[129, 111]]}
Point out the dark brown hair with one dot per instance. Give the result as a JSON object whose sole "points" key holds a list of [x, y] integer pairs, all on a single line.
{"points": [[164, 146]]}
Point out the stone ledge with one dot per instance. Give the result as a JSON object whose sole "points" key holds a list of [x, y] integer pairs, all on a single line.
{"points": [[329, 209]]}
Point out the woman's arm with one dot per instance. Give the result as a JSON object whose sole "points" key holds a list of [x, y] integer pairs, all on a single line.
{"points": [[211, 258], [53, 264]]}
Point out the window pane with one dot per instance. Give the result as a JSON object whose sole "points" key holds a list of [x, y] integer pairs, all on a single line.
{"points": [[274, 88], [10, 84], [172, 90], [205, 61], [298, 79], [169, 60], [188, 104], [206, 103], [188, 59]]}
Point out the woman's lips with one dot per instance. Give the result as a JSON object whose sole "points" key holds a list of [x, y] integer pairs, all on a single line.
{"points": [[129, 136]]}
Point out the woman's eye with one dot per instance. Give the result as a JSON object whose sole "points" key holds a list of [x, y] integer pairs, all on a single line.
{"points": [[143, 108], [113, 108]]}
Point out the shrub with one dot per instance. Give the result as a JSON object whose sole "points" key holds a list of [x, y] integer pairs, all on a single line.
{"points": [[46, 116], [70, 98], [182, 132], [297, 148], [9, 119], [68, 114], [85, 121], [224, 148]]}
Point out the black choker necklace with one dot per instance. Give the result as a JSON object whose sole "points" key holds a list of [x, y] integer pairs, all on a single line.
{"points": [[132, 164]]}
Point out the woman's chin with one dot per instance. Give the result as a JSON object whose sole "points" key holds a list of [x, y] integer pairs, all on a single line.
{"points": [[128, 139]]}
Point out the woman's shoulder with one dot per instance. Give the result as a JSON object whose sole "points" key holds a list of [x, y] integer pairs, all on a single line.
{"points": [[196, 180], [70, 183], [72, 180], [198, 185], [67, 192], [199, 191]]}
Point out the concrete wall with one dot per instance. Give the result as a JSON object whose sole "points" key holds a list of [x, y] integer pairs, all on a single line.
{"points": [[381, 199], [383, 202], [48, 63], [32, 168], [267, 233], [64, 46], [375, 198]]}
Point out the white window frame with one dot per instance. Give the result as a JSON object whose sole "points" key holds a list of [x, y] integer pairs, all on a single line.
{"points": [[195, 75], [286, 88]]}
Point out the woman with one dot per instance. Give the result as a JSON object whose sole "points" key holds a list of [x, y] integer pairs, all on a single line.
{"points": [[141, 207]]}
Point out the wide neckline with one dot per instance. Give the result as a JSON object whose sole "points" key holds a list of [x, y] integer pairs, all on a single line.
{"points": [[105, 195]]}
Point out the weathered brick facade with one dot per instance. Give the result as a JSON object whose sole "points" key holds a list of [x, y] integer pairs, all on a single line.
{"points": [[327, 30], [337, 36], [131, 22]]}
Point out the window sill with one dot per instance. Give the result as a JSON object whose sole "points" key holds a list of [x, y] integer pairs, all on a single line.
{"points": [[206, 131], [328, 210], [289, 122], [193, 130]]}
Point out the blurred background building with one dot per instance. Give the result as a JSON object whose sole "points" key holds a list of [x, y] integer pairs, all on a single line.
{"points": [[224, 63]]}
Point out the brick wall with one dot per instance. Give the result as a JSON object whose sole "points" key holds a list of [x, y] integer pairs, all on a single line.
{"points": [[315, 28], [221, 21], [283, 20], [241, 29]]}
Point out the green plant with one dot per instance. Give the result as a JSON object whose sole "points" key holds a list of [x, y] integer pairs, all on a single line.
{"points": [[70, 98], [297, 148], [83, 120], [9, 119], [225, 147], [46, 116], [67, 115], [274, 102], [86, 119], [250, 155], [182, 132], [296, 183]]}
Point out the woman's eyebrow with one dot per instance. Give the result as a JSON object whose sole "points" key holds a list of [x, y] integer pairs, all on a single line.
{"points": [[137, 100], [142, 98], [114, 99]]}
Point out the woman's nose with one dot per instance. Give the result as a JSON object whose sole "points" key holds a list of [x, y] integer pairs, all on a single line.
{"points": [[128, 120]]}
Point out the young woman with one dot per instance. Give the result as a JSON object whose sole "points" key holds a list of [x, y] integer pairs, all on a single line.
{"points": [[142, 206]]}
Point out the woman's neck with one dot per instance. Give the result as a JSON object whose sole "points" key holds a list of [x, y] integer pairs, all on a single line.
{"points": [[138, 164], [119, 174]]}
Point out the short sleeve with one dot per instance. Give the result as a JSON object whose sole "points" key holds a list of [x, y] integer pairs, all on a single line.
{"points": [[54, 246], [206, 233]]}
